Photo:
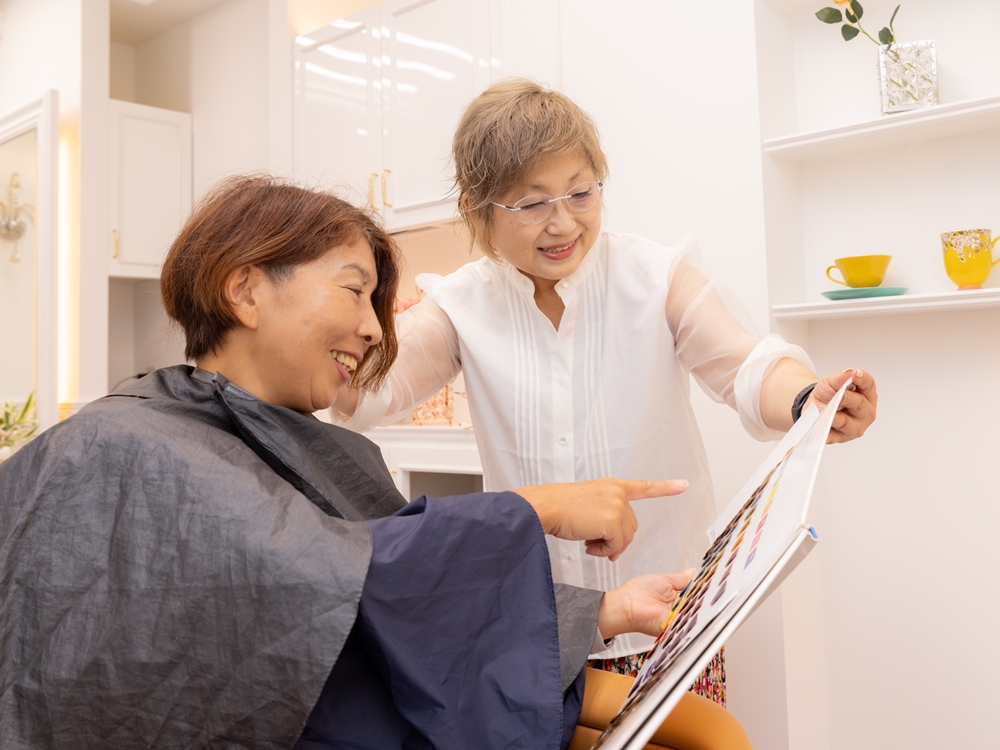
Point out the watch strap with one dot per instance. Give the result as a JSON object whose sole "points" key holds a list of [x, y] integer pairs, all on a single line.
{"points": [[800, 401]]}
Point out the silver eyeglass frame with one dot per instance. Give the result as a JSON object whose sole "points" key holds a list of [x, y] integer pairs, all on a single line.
{"points": [[550, 201]]}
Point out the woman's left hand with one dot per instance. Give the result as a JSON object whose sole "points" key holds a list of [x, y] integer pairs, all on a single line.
{"points": [[857, 408], [642, 604]]}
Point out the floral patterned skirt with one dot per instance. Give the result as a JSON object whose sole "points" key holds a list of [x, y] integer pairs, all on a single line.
{"points": [[710, 684]]}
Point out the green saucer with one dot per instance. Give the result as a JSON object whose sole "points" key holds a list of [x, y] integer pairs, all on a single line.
{"points": [[868, 291]]}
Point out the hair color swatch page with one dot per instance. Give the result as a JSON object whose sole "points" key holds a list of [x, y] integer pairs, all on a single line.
{"points": [[755, 542]]}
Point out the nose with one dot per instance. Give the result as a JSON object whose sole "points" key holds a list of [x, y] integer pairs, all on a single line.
{"points": [[561, 219], [369, 329]]}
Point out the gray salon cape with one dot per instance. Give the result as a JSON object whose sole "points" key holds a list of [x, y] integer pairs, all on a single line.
{"points": [[183, 565]]}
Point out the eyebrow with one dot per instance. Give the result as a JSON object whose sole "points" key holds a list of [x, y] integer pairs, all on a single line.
{"points": [[365, 275]]}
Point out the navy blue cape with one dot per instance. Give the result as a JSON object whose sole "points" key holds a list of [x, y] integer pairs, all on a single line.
{"points": [[182, 565]]}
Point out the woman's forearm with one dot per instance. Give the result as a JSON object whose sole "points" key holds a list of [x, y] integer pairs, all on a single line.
{"points": [[779, 389]]}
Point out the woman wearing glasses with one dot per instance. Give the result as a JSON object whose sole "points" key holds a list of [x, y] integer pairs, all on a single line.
{"points": [[577, 343]]}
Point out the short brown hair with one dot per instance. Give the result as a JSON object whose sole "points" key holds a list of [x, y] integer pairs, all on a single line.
{"points": [[276, 226], [502, 136]]}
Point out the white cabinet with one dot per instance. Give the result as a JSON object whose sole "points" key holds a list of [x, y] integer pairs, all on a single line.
{"points": [[338, 106], [378, 96], [436, 56], [150, 185]]}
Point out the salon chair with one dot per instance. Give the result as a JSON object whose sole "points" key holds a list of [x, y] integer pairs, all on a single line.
{"points": [[695, 724]]}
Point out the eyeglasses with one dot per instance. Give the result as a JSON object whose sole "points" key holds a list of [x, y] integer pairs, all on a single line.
{"points": [[533, 209]]}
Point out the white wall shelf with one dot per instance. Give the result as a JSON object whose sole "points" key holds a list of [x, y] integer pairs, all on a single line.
{"points": [[904, 303], [892, 131]]}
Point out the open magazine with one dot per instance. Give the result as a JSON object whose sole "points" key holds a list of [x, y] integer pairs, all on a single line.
{"points": [[756, 541]]}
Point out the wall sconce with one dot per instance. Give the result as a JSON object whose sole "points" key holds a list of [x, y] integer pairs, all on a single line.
{"points": [[14, 220]]}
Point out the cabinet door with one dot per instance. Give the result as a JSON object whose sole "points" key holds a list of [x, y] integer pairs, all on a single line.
{"points": [[150, 185], [435, 59], [338, 143]]}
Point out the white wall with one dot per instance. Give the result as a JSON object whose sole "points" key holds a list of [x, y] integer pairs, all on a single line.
{"points": [[141, 337], [122, 80], [214, 66], [37, 54], [906, 521], [121, 331]]}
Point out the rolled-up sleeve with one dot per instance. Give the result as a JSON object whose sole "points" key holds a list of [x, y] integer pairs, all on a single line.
{"points": [[755, 368]]}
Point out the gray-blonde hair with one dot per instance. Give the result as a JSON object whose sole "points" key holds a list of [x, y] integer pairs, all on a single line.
{"points": [[502, 136]]}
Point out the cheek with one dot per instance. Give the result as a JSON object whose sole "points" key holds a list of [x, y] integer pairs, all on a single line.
{"points": [[509, 239], [525, 242], [591, 229]]}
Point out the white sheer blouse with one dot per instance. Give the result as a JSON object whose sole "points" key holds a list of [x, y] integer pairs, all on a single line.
{"points": [[604, 395]]}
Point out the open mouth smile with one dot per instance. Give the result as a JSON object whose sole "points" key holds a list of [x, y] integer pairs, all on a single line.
{"points": [[345, 360], [559, 252]]}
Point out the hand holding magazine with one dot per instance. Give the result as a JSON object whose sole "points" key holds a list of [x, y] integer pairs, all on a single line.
{"points": [[756, 541]]}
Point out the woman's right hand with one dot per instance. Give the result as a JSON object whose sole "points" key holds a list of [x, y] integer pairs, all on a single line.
{"points": [[597, 512]]}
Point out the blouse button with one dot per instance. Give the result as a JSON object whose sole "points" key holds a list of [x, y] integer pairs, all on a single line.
{"points": [[565, 285], [562, 441]]}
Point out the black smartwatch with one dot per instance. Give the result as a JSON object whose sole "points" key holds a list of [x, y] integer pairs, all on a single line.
{"points": [[800, 401]]}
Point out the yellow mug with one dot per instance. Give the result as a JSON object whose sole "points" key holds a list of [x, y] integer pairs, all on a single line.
{"points": [[860, 270], [968, 257]]}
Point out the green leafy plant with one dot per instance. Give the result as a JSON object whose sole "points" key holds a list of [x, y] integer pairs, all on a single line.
{"points": [[851, 20], [17, 423]]}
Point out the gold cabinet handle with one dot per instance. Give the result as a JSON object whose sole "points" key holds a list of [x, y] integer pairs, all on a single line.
{"points": [[115, 233], [385, 201], [371, 195]]}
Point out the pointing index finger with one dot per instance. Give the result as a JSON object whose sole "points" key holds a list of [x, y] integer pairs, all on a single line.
{"points": [[639, 489]]}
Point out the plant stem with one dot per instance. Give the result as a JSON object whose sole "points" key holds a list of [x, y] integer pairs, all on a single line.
{"points": [[861, 29]]}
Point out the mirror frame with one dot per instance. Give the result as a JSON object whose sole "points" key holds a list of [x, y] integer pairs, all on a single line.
{"points": [[42, 116]]}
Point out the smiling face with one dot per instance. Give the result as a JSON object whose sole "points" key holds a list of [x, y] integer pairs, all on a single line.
{"points": [[552, 249], [313, 328]]}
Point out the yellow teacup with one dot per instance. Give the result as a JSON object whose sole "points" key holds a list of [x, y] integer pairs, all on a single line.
{"points": [[968, 257], [860, 270]]}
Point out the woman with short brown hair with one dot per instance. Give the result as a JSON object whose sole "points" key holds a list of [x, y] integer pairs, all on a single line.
{"points": [[275, 226], [196, 561]]}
